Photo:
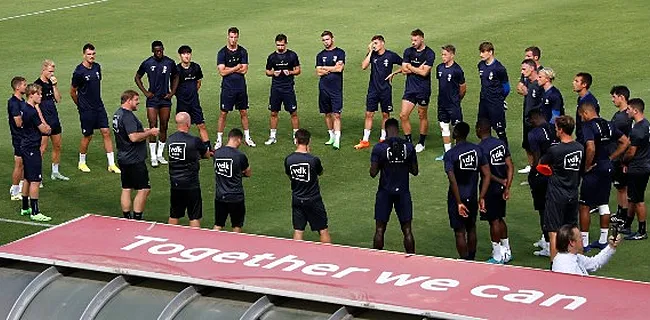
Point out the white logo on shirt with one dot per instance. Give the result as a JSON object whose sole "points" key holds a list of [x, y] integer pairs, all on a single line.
{"points": [[534, 93], [300, 172], [334, 58], [572, 161], [498, 156], [468, 160], [177, 150], [449, 77], [153, 68], [490, 75], [164, 69], [223, 167], [385, 62]]}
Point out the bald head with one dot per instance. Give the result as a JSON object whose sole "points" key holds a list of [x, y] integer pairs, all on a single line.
{"points": [[183, 121]]}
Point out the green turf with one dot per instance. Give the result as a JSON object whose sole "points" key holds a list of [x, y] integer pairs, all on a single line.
{"points": [[574, 36]]}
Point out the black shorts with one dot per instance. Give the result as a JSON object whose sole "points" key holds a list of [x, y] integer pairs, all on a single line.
{"points": [[196, 113], [386, 201], [559, 211], [526, 127], [595, 188], [330, 102], [15, 142], [231, 100], [452, 115], [636, 185], [494, 204], [277, 98], [158, 103], [185, 200], [418, 98], [375, 99], [538, 186], [495, 113], [619, 178], [56, 129], [310, 211], [135, 176], [32, 164], [236, 211], [456, 221], [91, 120]]}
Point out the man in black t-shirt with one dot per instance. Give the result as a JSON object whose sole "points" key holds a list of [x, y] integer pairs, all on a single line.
{"points": [[307, 205], [230, 167], [190, 78], [130, 138], [185, 151], [14, 115]]}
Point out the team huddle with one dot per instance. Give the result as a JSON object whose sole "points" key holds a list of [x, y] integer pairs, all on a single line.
{"points": [[568, 178]]}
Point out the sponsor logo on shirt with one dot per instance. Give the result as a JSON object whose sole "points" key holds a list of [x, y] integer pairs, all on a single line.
{"points": [[300, 172], [498, 156], [572, 161], [223, 167], [177, 150], [468, 160]]}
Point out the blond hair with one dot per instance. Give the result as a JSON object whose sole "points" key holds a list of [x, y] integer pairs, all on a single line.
{"points": [[33, 88], [549, 73]]}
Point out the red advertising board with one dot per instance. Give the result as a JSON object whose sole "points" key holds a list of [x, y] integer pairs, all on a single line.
{"points": [[428, 286]]}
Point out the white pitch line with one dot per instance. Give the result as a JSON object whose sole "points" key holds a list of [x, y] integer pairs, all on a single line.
{"points": [[38, 224], [35, 13]]}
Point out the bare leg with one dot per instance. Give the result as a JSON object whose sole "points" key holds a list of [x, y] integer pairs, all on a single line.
{"points": [[125, 200], [44, 142], [325, 236], [108, 143], [17, 174], [173, 221], [152, 117], [295, 122], [585, 218], [243, 114], [163, 113], [195, 223], [221, 123], [378, 240], [140, 200], [56, 149], [297, 234], [368, 120], [337, 121], [405, 113], [424, 120], [409, 240], [329, 122], [203, 132], [273, 120], [461, 242], [85, 141], [236, 229]]}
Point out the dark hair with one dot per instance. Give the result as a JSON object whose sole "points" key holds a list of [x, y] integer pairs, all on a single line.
{"points": [[156, 43], [620, 91], [391, 123], [417, 32], [531, 63], [184, 49], [233, 30], [128, 95], [87, 46], [302, 137], [587, 106], [483, 124], [16, 81], [461, 130], [564, 237], [449, 48], [566, 123], [537, 52], [235, 133], [486, 46], [535, 113], [327, 33], [281, 37], [378, 37], [637, 103], [585, 78]]}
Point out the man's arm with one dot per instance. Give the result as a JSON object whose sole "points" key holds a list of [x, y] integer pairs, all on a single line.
{"points": [[629, 154], [198, 85], [590, 152], [422, 70], [366, 61], [243, 69], [455, 191], [462, 89], [138, 82], [141, 136], [511, 173], [44, 128], [19, 121], [374, 169], [485, 172], [596, 262], [414, 168], [248, 172], [225, 71], [406, 68], [55, 88], [74, 95], [623, 143], [175, 81], [522, 89]]}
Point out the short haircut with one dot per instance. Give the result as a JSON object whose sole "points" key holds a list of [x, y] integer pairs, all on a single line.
{"points": [[585, 78], [378, 37], [128, 95], [566, 123], [235, 133], [486, 46], [564, 237], [234, 30], [483, 124], [537, 52], [549, 73], [281, 37], [461, 130], [184, 49], [391, 123], [156, 43], [303, 137], [87, 46], [33, 88], [417, 33], [620, 91], [531, 63], [449, 48], [15, 82], [536, 113], [327, 33], [637, 103], [587, 106], [48, 63]]}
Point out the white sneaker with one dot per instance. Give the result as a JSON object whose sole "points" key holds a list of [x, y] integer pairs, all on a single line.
{"points": [[541, 243], [59, 176], [217, 145], [249, 142], [543, 253], [162, 160], [154, 162], [525, 170], [506, 255], [270, 141], [419, 148], [16, 197], [40, 186]]}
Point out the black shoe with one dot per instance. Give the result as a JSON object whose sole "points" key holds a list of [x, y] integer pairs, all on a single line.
{"points": [[637, 236], [626, 231]]}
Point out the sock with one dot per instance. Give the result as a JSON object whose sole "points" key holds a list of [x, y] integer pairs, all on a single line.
{"points": [[505, 243], [548, 246], [138, 215], [331, 132], [628, 221], [447, 146], [111, 158], [366, 135], [126, 214], [603, 235], [423, 138], [496, 251], [274, 132], [642, 229], [294, 132], [247, 134], [547, 238], [34, 204], [337, 137], [383, 134], [55, 168], [585, 238], [82, 158], [25, 202], [408, 138], [471, 255], [161, 149], [152, 149], [208, 144], [14, 189], [219, 136]]}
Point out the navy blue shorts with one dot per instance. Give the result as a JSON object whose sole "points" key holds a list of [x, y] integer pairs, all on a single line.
{"points": [[375, 99], [636, 185], [524, 140], [310, 211], [418, 98], [231, 100], [33, 165], [15, 142], [196, 113], [560, 210], [330, 102], [595, 188], [494, 204], [452, 115], [91, 120], [277, 98], [538, 186], [456, 221], [386, 201], [56, 129], [158, 102], [495, 113]]}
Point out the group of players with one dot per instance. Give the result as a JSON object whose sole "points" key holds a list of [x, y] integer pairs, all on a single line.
{"points": [[602, 146]]}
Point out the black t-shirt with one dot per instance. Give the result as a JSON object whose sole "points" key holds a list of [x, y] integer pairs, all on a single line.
{"points": [[566, 161], [303, 169], [124, 123], [640, 138], [31, 135], [534, 98], [604, 135], [187, 92], [229, 163], [416, 83], [395, 157], [48, 103], [541, 139], [622, 121], [185, 151]]}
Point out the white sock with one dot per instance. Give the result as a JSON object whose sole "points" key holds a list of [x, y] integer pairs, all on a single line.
{"points": [[603, 235], [219, 136], [331, 132], [294, 131], [496, 251], [505, 243], [447, 146], [383, 134], [111, 158], [547, 246], [55, 168], [14, 189], [161, 149], [337, 136], [82, 158], [274, 132], [585, 238], [247, 134], [152, 149], [366, 135]]}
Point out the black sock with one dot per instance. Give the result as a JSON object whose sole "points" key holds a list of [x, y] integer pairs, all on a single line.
{"points": [[408, 138], [25, 203], [126, 214], [423, 138], [547, 238], [642, 229], [618, 210], [138, 215], [471, 255], [628, 221], [623, 213], [208, 144], [34, 205]]}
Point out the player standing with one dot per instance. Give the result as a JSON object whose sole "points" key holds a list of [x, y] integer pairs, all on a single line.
{"points": [[451, 91], [534, 53], [621, 120], [330, 63], [187, 91], [282, 66], [532, 100], [15, 105], [380, 89], [581, 84], [85, 92], [494, 90], [553, 103]]}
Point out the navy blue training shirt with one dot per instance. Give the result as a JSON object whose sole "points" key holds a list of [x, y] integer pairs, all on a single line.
{"points": [[497, 153], [449, 81], [87, 81], [588, 98], [552, 104], [234, 81], [603, 134], [14, 109], [381, 66], [416, 83], [333, 81], [622, 121], [48, 104], [465, 160], [159, 74], [187, 92], [395, 157], [31, 135], [287, 60], [493, 76]]}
